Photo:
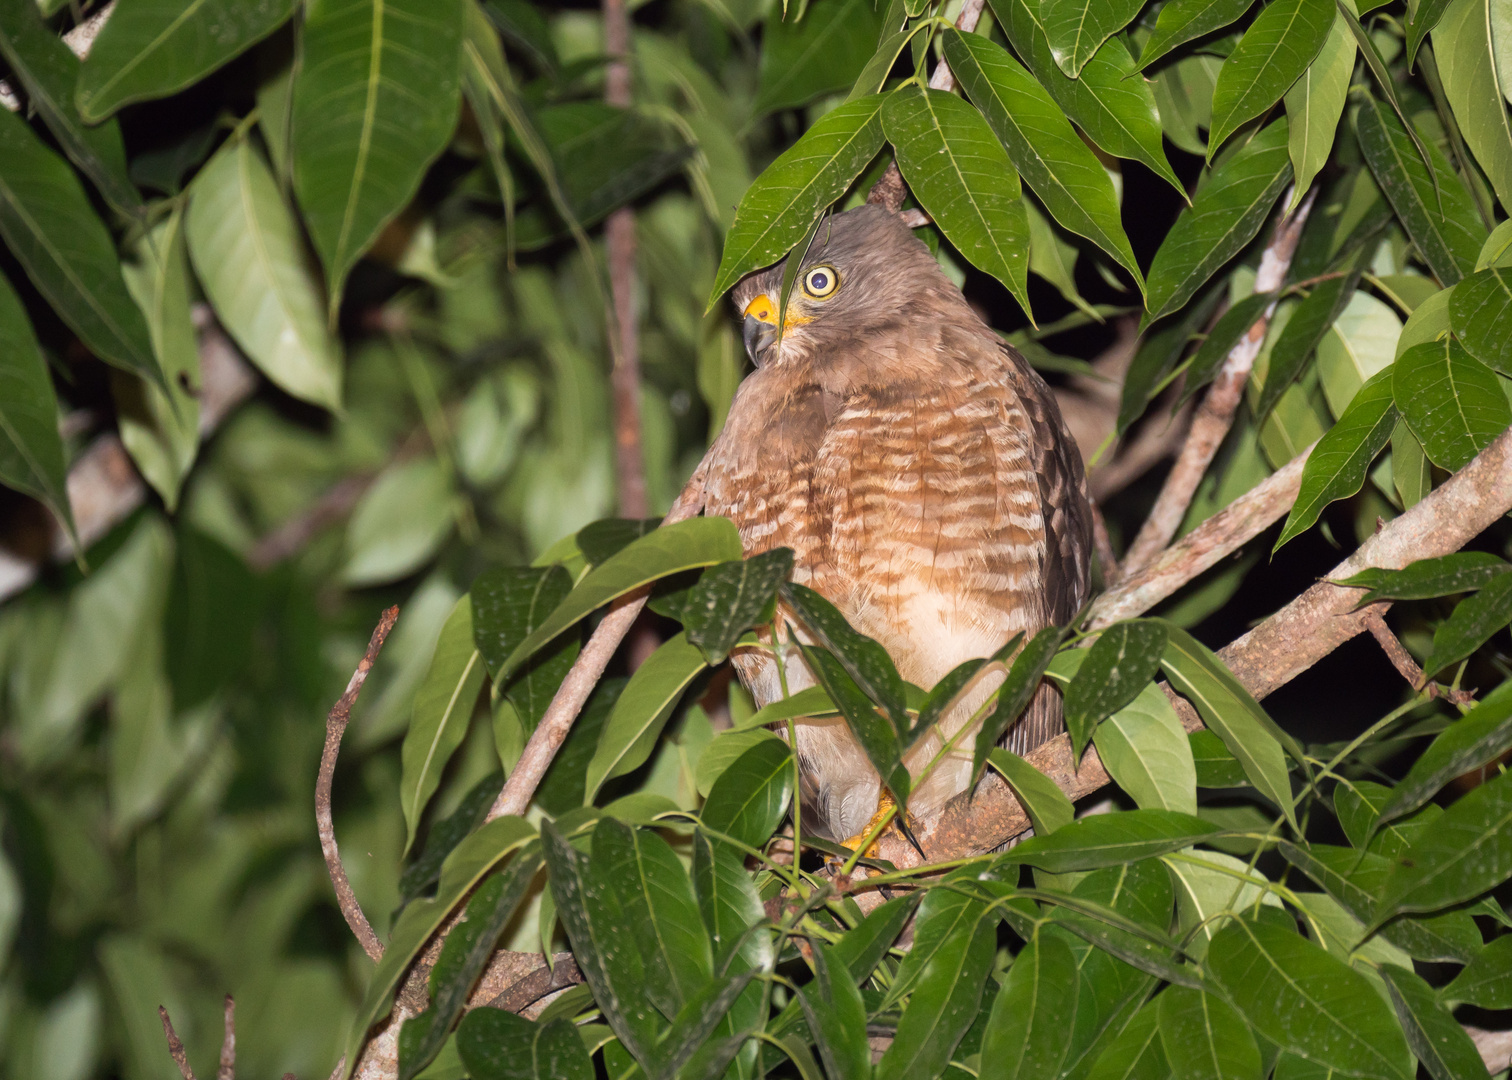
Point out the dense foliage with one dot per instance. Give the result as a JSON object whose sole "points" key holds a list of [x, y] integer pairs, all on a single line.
{"points": [[392, 210]]}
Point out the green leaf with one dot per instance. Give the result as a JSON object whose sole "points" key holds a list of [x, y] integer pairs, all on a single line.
{"points": [[603, 944], [156, 48], [1136, 1053], [877, 735], [362, 131], [750, 797], [782, 204], [723, 751], [1108, 839], [1480, 309], [1435, 209], [1049, 155], [1306, 1001], [874, 75], [1276, 49], [729, 904], [1076, 29], [730, 598], [1026, 1033], [1358, 804], [1310, 320], [1181, 21], [49, 226], [1468, 852], [509, 603], [946, 919], [1014, 695], [837, 1017], [1203, 1037], [524, 28], [473, 858], [1216, 767], [249, 255], [817, 49], [1209, 884], [1148, 754], [443, 708], [1224, 217], [671, 549], [400, 522], [642, 711], [656, 896], [31, 449], [1452, 401], [1229, 711], [1044, 802], [1470, 625], [498, 1045], [811, 701], [943, 1003], [1423, 17], [960, 173], [1466, 61], [48, 69], [1361, 343], [601, 540], [1337, 466], [863, 948], [1426, 579], [1436, 1037], [1114, 108], [1121, 662], [463, 957], [1231, 327], [862, 658], [1486, 980]]}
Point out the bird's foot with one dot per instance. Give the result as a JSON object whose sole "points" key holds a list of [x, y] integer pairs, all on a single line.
{"points": [[885, 808]]}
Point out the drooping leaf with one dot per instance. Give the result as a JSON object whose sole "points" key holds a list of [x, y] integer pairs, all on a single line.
{"points": [[1107, 839], [836, 1017], [877, 735], [1026, 1033], [960, 173], [1276, 49], [1423, 18], [1425, 579], [1228, 331], [249, 255], [1014, 695], [1337, 466], [1203, 1037], [729, 904], [1486, 980], [1465, 56], [750, 797], [1044, 802], [150, 50], [1225, 215], [1120, 663], [509, 603], [1076, 29], [1185, 20], [49, 226], [862, 658], [946, 920], [1309, 321], [1470, 625], [730, 597], [863, 947], [362, 131], [1147, 753], [1435, 209], [31, 449], [1436, 1037], [1452, 401], [498, 1045], [821, 52], [1480, 309], [642, 711]]}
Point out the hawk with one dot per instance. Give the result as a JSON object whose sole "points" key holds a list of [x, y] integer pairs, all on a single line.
{"points": [[920, 471]]}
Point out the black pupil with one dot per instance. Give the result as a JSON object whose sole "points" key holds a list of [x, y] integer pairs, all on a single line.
{"points": [[819, 281]]}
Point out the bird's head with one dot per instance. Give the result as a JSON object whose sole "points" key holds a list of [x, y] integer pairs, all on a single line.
{"points": [[864, 272]]}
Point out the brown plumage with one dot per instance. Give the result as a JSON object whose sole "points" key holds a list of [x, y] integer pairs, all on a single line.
{"points": [[919, 469]]}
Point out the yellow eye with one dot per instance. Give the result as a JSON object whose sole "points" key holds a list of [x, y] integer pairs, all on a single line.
{"points": [[821, 281]]}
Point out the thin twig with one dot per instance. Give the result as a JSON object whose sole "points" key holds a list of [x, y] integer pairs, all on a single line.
{"points": [[889, 190], [1102, 545], [336, 724], [1216, 414], [1395, 651], [227, 1069], [175, 1046]]}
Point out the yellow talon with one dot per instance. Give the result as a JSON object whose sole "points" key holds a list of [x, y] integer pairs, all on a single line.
{"points": [[885, 805]]}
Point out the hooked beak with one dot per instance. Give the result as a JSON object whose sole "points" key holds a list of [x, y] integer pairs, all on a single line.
{"points": [[760, 330]]}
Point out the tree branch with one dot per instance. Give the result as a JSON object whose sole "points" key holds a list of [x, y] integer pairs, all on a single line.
{"points": [[227, 1070], [175, 1046], [336, 724], [1216, 414]]}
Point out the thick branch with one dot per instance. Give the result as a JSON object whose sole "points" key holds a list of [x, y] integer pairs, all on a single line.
{"points": [[1216, 414], [336, 724]]}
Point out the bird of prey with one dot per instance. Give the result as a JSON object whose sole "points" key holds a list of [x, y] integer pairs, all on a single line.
{"points": [[921, 473]]}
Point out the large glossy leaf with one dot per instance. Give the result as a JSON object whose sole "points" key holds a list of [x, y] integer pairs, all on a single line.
{"points": [[815, 49], [864, 946], [1229, 711], [671, 549], [31, 450], [1014, 695], [1044, 802], [1119, 665], [1114, 107], [1184, 20], [498, 1045], [837, 1017], [1424, 16], [877, 735], [1452, 401], [443, 708], [1148, 754], [1487, 979], [1136, 1052], [642, 711], [1470, 625], [460, 873], [51, 229], [1049, 155], [249, 255], [1076, 29], [1468, 852], [1208, 884], [1307, 1001], [1274, 52], [508, 604], [782, 204], [1425, 579], [1026, 1033], [946, 919], [729, 904], [375, 99], [1435, 1036], [1225, 215], [750, 797], [48, 69], [1337, 466], [154, 48], [1108, 839], [1204, 1038], [960, 173], [1309, 321], [1464, 53], [862, 658], [1480, 310], [730, 597], [1436, 210], [1479, 737]]}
